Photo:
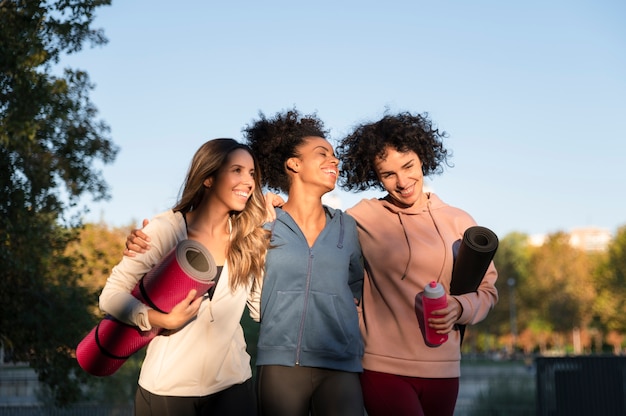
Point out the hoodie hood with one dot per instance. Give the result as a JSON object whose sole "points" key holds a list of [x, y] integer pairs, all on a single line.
{"points": [[429, 203], [331, 213]]}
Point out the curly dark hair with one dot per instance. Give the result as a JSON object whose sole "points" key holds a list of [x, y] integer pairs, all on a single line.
{"points": [[403, 132], [275, 140]]}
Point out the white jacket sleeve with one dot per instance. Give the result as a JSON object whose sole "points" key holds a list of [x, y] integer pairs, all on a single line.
{"points": [[116, 298], [254, 301]]}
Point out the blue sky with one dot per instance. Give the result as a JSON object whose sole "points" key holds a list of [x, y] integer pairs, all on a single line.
{"points": [[532, 95]]}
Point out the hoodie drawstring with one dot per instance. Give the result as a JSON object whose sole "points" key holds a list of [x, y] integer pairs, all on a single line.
{"points": [[408, 243], [341, 231], [443, 242]]}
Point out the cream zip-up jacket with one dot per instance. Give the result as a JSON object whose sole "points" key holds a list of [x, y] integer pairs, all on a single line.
{"points": [[404, 250], [206, 356]]}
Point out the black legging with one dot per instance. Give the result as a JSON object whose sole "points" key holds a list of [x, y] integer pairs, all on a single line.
{"points": [[304, 391], [237, 400]]}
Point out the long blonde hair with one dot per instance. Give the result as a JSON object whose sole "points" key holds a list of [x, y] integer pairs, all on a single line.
{"points": [[249, 241]]}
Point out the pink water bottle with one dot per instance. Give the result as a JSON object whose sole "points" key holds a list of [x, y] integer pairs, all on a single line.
{"points": [[434, 298]]}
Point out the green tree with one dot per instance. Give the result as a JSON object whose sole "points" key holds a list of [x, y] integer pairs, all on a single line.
{"points": [[98, 249], [561, 289], [512, 262], [610, 305], [50, 141]]}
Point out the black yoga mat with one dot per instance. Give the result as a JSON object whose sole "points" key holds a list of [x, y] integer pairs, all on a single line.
{"points": [[472, 260]]}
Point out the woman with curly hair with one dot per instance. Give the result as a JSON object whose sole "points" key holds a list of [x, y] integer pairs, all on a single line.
{"points": [[200, 366], [407, 238], [309, 350]]}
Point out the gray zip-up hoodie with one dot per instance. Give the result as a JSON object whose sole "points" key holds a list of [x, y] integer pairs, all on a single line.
{"points": [[308, 311]]}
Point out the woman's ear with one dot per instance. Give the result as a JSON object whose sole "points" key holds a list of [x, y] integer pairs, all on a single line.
{"points": [[293, 164], [208, 182]]}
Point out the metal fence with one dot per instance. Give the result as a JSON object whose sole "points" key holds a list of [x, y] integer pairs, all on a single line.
{"points": [[577, 385], [581, 385], [75, 410]]}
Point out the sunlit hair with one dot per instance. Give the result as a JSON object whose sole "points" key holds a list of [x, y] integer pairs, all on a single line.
{"points": [[249, 241], [275, 140], [403, 132]]}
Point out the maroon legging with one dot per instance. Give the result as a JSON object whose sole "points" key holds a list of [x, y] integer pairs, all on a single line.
{"points": [[388, 394]]}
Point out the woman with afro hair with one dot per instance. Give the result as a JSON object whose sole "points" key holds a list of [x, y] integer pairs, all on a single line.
{"points": [[407, 238], [310, 349]]}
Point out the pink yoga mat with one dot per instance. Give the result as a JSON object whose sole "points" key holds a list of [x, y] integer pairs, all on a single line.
{"points": [[187, 266]]}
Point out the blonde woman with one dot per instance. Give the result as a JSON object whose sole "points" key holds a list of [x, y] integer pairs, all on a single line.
{"points": [[201, 366]]}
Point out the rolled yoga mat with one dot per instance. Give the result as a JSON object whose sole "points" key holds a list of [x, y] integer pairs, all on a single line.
{"points": [[187, 266], [472, 260]]}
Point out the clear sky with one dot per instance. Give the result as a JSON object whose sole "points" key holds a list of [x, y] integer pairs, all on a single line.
{"points": [[532, 94]]}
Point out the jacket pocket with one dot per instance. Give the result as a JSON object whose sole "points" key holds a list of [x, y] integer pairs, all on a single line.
{"points": [[280, 323], [332, 326]]}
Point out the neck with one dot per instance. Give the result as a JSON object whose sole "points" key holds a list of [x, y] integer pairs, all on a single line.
{"points": [[304, 207], [207, 223]]}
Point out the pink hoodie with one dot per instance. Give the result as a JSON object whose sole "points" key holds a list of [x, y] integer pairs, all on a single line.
{"points": [[416, 243]]}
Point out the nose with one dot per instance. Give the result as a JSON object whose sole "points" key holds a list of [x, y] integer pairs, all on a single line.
{"points": [[402, 181], [248, 180]]}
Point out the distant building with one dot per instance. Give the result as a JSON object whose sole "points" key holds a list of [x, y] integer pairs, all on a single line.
{"points": [[585, 238], [590, 238]]}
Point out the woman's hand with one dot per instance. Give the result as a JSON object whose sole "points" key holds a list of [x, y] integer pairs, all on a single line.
{"points": [[448, 316], [137, 242], [180, 314], [271, 201]]}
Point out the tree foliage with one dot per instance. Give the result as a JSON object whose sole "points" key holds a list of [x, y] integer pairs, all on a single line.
{"points": [[512, 261], [561, 293], [50, 141], [50, 135], [97, 250], [610, 306], [562, 287]]}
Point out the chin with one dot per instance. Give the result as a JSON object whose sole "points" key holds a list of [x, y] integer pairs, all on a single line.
{"points": [[238, 207], [404, 202]]}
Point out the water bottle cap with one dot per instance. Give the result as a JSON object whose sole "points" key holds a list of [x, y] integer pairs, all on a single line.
{"points": [[433, 290]]}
